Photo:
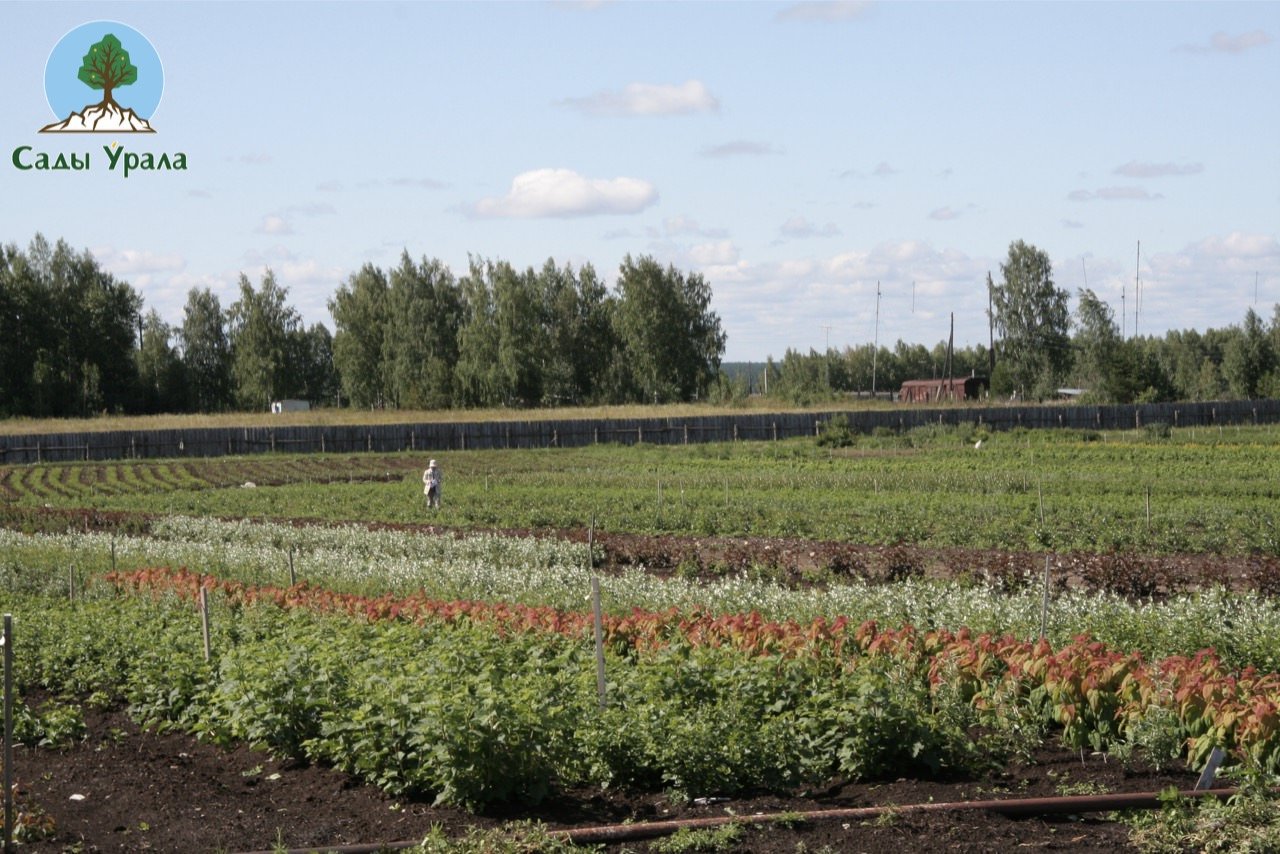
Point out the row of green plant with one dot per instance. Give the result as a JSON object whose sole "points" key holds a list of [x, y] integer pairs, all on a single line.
{"points": [[1053, 489], [471, 717], [556, 573], [472, 711]]}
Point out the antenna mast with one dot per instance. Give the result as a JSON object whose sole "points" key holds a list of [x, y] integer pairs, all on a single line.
{"points": [[1137, 289]]}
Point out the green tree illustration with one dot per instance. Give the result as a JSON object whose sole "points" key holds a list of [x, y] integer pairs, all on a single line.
{"points": [[107, 66]]}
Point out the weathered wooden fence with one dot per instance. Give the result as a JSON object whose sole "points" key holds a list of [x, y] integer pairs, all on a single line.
{"points": [[485, 435]]}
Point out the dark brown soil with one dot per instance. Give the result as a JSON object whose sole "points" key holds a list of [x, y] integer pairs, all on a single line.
{"points": [[121, 789]]}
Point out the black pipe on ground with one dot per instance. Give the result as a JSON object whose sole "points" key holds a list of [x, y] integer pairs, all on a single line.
{"points": [[1014, 807]]}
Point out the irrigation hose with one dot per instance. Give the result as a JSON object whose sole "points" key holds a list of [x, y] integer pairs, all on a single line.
{"points": [[1013, 807]]}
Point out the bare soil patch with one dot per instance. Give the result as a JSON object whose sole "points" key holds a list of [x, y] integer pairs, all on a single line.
{"points": [[143, 791]]}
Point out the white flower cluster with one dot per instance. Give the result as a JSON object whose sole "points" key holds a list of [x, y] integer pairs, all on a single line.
{"points": [[555, 573]]}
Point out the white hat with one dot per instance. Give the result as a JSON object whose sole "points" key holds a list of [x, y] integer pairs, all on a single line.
{"points": [[431, 464]]}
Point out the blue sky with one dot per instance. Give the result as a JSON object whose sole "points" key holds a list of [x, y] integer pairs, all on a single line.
{"points": [[794, 154]]}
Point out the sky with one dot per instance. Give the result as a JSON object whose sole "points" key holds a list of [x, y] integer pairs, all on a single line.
{"points": [[798, 156]]}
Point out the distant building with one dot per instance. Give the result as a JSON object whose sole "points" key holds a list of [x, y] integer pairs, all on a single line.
{"points": [[933, 391], [279, 406]]}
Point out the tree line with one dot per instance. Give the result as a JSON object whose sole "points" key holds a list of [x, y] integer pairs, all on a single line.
{"points": [[1040, 346], [77, 341]]}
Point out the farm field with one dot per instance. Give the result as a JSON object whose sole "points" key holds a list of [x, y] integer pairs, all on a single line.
{"points": [[786, 626]]}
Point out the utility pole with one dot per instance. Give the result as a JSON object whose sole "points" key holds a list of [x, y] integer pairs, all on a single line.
{"points": [[875, 352], [991, 333], [826, 358], [951, 340]]}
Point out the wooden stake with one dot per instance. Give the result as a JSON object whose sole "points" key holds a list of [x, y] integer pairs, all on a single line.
{"points": [[598, 620], [204, 622], [7, 641], [1044, 604]]}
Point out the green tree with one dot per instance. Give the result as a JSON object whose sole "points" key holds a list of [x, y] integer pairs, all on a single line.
{"points": [[313, 355], [522, 335], [261, 326], [87, 327], [161, 379], [206, 352], [420, 347], [1031, 316], [360, 316], [22, 320], [671, 339], [1248, 358], [1099, 362], [106, 66], [476, 376]]}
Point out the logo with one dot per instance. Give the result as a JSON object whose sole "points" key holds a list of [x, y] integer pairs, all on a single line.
{"points": [[103, 77]]}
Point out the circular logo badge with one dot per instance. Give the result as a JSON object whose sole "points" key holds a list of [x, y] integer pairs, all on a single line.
{"points": [[103, 76]]}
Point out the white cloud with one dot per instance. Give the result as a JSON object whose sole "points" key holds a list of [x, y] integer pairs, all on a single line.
{"points": [[1208, 284], [1238, 245], [883, 170], [128, 262], [418, 183], [272, 224], [799, 227], [1112, 194], [769, 307], [312, 209], [945, 213], [825, 10], [675, 226], [721, 252], [1221, 42], [740, 147], [582, 5], [565, 193], [1136, 169], [648, 99]]}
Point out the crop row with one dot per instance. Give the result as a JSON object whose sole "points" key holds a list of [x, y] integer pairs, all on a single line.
{"points": [[476, 704], [99, 483], [556, 573], [1056, 490], [1089, 689]]}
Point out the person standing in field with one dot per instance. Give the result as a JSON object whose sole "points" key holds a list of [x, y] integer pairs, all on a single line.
{"points": [[431, 480]]}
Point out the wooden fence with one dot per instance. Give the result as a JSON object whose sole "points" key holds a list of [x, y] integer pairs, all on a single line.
{"points": [[486, 435]]}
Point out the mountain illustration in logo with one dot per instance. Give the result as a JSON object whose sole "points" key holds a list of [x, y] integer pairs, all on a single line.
{"points": [[106, 67]]}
